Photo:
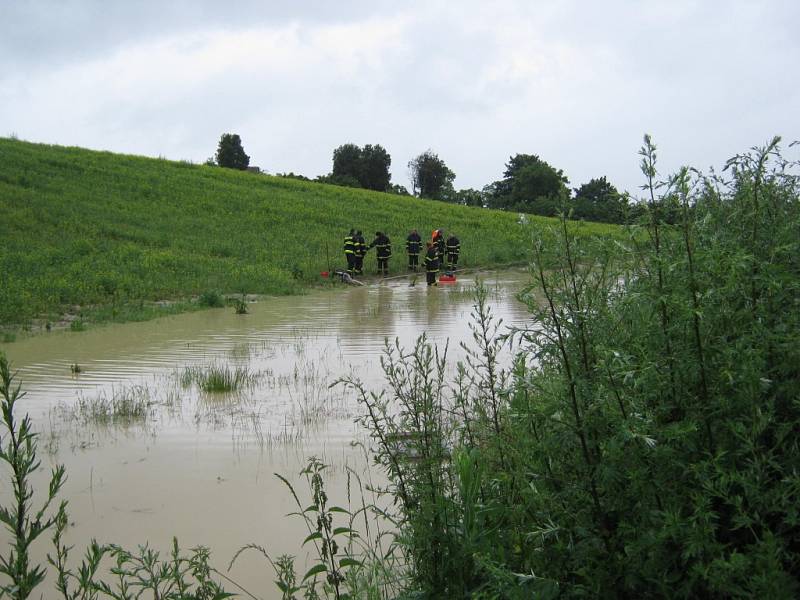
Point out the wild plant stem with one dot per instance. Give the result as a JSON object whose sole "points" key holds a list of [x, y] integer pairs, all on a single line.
{"points": [[704, 396]]}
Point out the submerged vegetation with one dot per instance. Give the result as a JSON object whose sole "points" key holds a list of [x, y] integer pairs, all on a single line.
{"points": [[218, 378], [125, 406]]}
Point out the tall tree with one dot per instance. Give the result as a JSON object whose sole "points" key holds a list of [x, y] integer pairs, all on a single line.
{"points": [[375, 163], [356, 167], [529, 185], [598, 200], [346, 163], [230, 153], [430, 177]]}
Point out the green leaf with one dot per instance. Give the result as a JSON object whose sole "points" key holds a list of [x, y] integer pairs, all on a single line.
{"points": [[314, 536], [338, 509], [314, 571], [349, 562], [340, 530]]}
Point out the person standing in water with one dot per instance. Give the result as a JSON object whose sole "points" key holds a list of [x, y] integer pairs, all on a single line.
{"points": [[413, 243], [438, 241], [431, 264], [360, 248], [383, 248], [350, 251], [453, 250]]}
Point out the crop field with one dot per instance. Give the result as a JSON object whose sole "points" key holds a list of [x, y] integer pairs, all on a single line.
{"points": [[104, 236]]}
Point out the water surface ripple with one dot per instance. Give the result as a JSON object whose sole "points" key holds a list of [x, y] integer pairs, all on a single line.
{"points": [[200, 465]]}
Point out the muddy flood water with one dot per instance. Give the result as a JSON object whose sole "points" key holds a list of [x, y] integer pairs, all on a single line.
{"points": [[198, 465]]}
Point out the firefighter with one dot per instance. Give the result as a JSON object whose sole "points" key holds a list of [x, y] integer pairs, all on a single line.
{"points": [[360, 250], [383, 248], [431, 264], [350, 251], [438, 241], [453, 246], [413, 243]]}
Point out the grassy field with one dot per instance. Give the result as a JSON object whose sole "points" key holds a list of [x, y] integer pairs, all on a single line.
{"points": [[106, 235]]}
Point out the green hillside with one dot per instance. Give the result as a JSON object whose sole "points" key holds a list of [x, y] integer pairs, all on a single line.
{"points": [[99, 230]]}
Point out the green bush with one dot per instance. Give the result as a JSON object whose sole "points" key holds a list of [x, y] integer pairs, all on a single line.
{"points": [[211, 299], [646, 441]]}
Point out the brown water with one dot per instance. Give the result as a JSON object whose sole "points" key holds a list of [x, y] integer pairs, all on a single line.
{"points": [[200, 466]]}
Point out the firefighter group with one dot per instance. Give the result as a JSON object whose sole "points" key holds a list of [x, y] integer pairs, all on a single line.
{"points": [[440, 254]]}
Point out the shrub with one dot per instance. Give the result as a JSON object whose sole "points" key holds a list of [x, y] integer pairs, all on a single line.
{"points": [[211, 299], [646, 440]]}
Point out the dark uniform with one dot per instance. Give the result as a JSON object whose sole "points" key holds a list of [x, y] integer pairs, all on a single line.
{"points": [[360, 248], [438, 241], [350, 251], [431, 264], [453, 250], [384, 251], [413, 245]]}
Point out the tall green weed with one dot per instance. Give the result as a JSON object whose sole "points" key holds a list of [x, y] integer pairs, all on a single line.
{"points": [[645, 441]]}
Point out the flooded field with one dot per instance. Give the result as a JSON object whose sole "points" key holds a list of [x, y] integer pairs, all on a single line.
{"points": [[152, 448]]}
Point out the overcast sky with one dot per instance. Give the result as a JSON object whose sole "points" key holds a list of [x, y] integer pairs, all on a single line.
{"points": [[576, 82]]}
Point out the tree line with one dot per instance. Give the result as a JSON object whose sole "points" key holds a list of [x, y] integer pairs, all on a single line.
{"points": [[529, 184]]}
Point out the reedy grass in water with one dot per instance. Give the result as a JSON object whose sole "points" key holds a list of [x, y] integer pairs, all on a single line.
{"points": [[218, 378], [124, 406]]}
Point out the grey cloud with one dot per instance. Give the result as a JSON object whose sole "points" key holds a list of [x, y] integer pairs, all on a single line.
{"points": [[42, 33]]}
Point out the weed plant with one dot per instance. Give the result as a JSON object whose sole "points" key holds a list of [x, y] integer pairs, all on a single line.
{"points": [[240, 305], [346, 564], [646, 440], [217, 378], [18, 446], [109, 571], [124, 406], [211, 299], [412, 429]]}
